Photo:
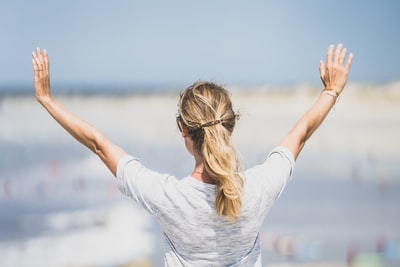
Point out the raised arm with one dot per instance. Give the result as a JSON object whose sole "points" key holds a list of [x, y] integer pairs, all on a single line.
{"points": [[86, 134], [334, 77]]}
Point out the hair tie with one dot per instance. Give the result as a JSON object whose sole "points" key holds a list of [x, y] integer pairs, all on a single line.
{"points": [[210, 123]]}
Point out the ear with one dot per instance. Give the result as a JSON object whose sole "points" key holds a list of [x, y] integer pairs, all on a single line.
{"points": [[185, 132]]}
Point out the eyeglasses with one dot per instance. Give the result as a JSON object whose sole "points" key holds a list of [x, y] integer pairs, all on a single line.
{"points": [[178, 122]]}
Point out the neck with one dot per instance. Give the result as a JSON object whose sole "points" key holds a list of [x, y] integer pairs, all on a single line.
{"points": [[200, 173], [203, 177]]}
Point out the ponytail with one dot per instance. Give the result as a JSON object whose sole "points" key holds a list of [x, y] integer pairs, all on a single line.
{"points": [[222, 163], [206, 111]]}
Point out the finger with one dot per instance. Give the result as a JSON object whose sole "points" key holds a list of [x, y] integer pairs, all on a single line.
{"points": [[34, 65], [322, 71], [342, 56], [35, 61], [349, 61], [39, 53], [329, 54], [321, 68], [46, 60], [338, 52], [36, 57]]}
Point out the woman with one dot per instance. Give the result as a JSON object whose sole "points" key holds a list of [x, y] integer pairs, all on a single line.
{"points": [[213, 216]]}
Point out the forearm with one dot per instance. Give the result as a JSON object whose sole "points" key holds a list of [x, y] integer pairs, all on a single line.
{"points": [[85, 133], [78, 128], [313, 118], [308, 124]]}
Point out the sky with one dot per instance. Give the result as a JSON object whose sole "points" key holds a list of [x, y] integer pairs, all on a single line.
{"points": [[129, 42]]}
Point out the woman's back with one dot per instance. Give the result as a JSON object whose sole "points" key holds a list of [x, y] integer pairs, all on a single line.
{"points": [[194, 233]]}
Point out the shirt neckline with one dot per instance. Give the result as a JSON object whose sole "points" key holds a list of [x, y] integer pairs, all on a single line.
{"points": [[199, 184]]}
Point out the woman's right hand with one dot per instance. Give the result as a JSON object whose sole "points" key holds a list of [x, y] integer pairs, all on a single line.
{"points": [[82, 131], [335, 71], [41, 70]]}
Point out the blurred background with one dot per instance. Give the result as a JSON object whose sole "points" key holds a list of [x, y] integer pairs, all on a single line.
{"points": [[146, 43], [120, 65]]}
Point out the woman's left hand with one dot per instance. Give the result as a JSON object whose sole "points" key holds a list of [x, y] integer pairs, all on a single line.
{"points": [[41, 69]]}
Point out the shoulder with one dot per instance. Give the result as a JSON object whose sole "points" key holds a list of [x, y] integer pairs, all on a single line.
{"points": [[279, 159], [273, 174], [132, 175]]}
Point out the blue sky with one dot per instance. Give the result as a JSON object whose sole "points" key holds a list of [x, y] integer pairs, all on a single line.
{"points": [[128, 42]]}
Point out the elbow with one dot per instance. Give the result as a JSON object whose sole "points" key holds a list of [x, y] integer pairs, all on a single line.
{"points": [[97, 144]]}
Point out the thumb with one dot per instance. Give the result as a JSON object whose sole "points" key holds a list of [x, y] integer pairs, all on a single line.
{"points": [[322, 69]]}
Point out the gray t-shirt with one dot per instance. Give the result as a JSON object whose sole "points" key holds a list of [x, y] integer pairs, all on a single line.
{"points": [[194, 234]]}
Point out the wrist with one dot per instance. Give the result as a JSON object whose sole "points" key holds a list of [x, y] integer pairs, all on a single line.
{"points": [[44, 100], [332, 93]]}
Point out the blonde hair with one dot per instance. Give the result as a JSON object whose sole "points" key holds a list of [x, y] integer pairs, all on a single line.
{"points": [[205, 110]]}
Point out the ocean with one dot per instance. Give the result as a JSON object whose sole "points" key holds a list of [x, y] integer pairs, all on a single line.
{"points": [[59, 205]]}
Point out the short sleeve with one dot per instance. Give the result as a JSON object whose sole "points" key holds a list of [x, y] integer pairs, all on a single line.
{"points": [[270, 178], [143, 185], [122, 168], [281, 162]]}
